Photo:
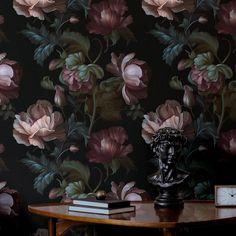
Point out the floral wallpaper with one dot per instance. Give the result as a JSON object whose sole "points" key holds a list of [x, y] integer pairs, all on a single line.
{"points": [[85, 84]]}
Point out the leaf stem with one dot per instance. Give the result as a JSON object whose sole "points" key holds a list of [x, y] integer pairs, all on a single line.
{"points": [[229, 52], [94, 111], [100, 180], [222, 111], [100, 51]]}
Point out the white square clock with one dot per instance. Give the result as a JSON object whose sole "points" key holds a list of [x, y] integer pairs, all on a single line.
{"points": [[225, 195]]}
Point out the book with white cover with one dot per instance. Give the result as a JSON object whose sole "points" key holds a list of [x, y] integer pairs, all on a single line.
{"points": [[97, 210], [107, 203]]}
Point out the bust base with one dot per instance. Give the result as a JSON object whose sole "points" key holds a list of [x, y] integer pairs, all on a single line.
{"points": [[169, 198]]}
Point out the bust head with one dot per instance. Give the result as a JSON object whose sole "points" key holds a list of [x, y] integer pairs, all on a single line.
{"points": [[166, 145]]}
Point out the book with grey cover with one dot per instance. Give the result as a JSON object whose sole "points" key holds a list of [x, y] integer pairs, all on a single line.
{"points": [[97, 210], [107, 203]]}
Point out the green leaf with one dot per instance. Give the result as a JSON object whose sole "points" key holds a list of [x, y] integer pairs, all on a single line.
{"points": [[212, 73], [46, 83], [232, 85], [96, 70], [45, 39], [171, 37], [76, 42], [77, 129], [162, 34], [77, 5], [75, 170], [43, 180], [208, 5], [114, 165], [75, 189], [204, 41], [205, 130], [42, 52], [203, 60], [225, 70], [46, 169], [175, 83], [114, 37], [3, 166], [171, 52], [204, 190], [127, 35], [74, 60], [39, 164]]}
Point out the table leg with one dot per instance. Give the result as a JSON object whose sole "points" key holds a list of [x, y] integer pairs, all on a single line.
{"points": [[168, 232], [52, 227]]}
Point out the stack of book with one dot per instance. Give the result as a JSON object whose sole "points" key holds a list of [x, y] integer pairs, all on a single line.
{"points": [[92, 205]]}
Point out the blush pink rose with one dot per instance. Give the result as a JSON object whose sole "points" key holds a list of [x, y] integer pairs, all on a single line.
{"points": [[107, 16], [38, 125], [168, 114], [135, 74], [37, 8], [108, 144], [10, 76], [228, 141], [166, 8], [200, 78], [127, 191], [227, 18]]}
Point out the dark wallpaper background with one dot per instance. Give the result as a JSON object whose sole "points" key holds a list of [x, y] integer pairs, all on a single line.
{"points": [[197, 45]]}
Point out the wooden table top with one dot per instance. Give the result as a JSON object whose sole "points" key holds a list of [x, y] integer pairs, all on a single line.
{"points": [[145, 215]]}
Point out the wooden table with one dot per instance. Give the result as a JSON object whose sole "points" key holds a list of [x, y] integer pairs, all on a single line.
{"points": [[194, 213]]}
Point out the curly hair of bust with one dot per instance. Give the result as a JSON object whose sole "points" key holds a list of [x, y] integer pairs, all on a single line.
{"points": [[168, 135]]}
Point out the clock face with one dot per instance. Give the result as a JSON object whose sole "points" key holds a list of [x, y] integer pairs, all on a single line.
{"points": [[225, 195]]}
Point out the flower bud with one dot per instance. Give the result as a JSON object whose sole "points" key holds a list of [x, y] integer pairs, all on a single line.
{"points": [[74, 20], [202, 20], [2, 148], [54, 64], [74, 148], [1, 20], [59, 98], [189, 98]]}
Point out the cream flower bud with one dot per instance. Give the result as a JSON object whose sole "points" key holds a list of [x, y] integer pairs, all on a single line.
{"points": [[188, 98], [74, 148], [59, 98], [74, 20], [202, 20]]}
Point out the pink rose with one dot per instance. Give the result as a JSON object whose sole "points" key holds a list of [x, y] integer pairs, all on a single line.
{"points": [[107, 16], [77, 84], [10, 76], [228, 141], [37, 8], [170, 115], [227, 18], [127, 191], [108, 144], [38, 125], [204, 84], [166, 8], [135, 74]]}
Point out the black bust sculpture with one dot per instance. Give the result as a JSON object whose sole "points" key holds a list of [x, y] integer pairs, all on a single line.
{"points": [[166, 145]]}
